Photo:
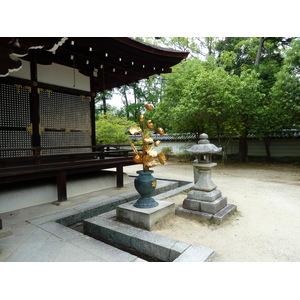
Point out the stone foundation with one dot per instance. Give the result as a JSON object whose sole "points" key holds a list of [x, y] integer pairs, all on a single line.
{"points": [[144, 218], [206, 206]]}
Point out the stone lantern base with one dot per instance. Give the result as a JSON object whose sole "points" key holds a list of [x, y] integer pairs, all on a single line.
{"points": [[209, 202], [206, 206], [217, 218], [205, 202]]}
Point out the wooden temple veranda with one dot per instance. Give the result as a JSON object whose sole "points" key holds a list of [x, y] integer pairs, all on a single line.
{"points": [[47, 109]]}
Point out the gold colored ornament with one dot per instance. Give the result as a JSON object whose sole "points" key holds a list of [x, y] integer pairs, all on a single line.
{"points": [[160, 131], [141, 118], [147, 139], [162, 158], [134, 148], [148, 106], [150, 151], [135, 130], [150, 125], [138, 158], [149, 161]]}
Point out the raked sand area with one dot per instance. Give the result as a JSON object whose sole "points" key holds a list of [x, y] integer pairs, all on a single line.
{"points": [[266, 226]]}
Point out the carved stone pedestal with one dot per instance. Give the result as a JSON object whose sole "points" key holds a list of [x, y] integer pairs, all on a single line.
{"points": [[204, 201]]}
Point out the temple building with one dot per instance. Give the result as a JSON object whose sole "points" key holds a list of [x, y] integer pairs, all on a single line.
{"points": [[47, 109]]}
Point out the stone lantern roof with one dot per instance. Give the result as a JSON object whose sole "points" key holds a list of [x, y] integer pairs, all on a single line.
{"points": [[204, 146]]}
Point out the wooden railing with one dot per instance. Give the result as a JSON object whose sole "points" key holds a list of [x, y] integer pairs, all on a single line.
{"points": [[71, 154], [14, 169]]}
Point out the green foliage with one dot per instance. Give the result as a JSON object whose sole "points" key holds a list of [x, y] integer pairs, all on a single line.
{"points": [[244, 85], [101, 105], [286, 90], [168, 152], [196, 46], [135, 95], [111, 129], [174, 94], [251, 87], [199, 99], [185, 156]]}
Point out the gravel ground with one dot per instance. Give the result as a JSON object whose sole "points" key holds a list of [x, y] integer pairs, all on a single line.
{"points": [[266, 226]]}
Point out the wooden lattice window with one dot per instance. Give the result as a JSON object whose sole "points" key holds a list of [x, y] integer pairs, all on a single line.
{"points": [[66, 121], [14, 120]]}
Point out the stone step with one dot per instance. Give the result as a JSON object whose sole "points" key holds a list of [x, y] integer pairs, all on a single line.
{"points": [[205, 206], [219, 217], [204, 196], [193, 214], [215, 206]]}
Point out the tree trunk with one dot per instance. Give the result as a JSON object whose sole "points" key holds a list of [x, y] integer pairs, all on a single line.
{"points": [[261, 42], [126, 103], [243, 148], [267, 142], [104, 104]]}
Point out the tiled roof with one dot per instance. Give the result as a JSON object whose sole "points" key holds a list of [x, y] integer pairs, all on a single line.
{"points": [[286, 133]]}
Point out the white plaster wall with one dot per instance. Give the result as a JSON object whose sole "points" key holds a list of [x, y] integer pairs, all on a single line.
{"points": [[27, 194], [63, 76], [55, 74], [279, 147], [177, 147], [24, 72]]}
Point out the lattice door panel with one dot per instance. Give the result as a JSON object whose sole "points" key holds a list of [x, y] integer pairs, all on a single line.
{"points": [[64, 111], [14, 106], [15, 139], [14, 119], [65, 139], [66, 122]]}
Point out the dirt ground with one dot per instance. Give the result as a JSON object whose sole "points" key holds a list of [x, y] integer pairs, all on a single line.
{"points": [[266, 226]]}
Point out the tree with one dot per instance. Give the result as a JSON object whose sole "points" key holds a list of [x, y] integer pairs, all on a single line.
{"points": [[135, 95], [174, 94], [250, 102], [245, 85], [198, 47], [111, 129], [201, 97], [193, 98], [264, 54], [286, 90], [101, 105]]}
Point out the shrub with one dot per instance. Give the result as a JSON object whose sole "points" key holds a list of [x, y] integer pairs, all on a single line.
{"points": [[112, 130], [167, 151], [185, 156]]}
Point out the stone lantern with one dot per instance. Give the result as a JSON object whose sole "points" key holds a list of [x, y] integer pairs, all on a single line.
{"points": [[203, 164], [203, 200]]}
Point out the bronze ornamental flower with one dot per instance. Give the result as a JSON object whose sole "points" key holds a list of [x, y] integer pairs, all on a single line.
{"points": [[148, 151], [160, 131], [162, 159], [148, 106], [135, 130], [141, 118], [150, 125]]}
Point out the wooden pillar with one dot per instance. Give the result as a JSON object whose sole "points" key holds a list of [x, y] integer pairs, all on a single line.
{"points": [[93, 120], [120, 180], [93, 111], [34, 102], [61, 186]]}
